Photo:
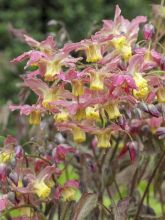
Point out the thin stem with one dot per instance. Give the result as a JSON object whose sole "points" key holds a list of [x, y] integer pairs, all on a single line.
{"points": [[162, 2], [149, 183], [108, 210], [39, 157]]}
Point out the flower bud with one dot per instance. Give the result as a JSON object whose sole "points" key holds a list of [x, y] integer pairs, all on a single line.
{"points": [[38, 165], [11, 196], [148, 31], [153, 110], [25, 181], [161, 132], [3, 172], [133, 150], [13, 162], [18, 151], [162, 63], [14, 177], [122, 122]]}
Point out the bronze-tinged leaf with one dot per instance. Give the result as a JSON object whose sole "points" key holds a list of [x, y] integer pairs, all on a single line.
{"points": [[85, 205]]}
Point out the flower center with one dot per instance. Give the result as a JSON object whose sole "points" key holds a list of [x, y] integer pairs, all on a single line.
{"points": [[92, 113], [61, 117], [103, 140], [93, 53], [41, 189], [79, 135], [112, 110], [96, 81], [142, 86], [68, 194], [35, 117], [161, 95], [52, 69], [77, 88]]}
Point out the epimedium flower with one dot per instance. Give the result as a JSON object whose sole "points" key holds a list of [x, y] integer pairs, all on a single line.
{"points": [[79, 135], [6, 156], [152, 58], [42, 184], [142, 87], [121, 27], [47, 46], [103, 135], [34, 112], [49, 64], [131, 148], [53, 66], [47, 94], [92, 50], [121, 84], [103, 139], [76, 79], [41, 189], [68, 191], [62, 116], [161, 95], [154, 123], [122, 47], [112, 110], [60, 152], [77, 129], [92, 113], [148, 31]]}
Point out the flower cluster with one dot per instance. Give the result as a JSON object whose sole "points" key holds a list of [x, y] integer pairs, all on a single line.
{"points": [[28, 179], [95, 90], [87, 95]]}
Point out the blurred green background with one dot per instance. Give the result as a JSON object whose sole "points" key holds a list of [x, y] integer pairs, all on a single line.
{"points": [[65, 19]]}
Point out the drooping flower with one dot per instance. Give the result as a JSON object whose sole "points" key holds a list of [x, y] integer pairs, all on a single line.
{"points": [[76, 79], [122, 47], [47, 94], [61, 151], [92, 113], [161, 95], [61, 116], [67, 191], [6, 156], [96, 81], [103, 139], [34, 112], [122, 27], [41, 189], [142, 87], [148, 31], [112, 110], [92, 50], [42, 184], [49, 61], [79, 135], [47, 46]]}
